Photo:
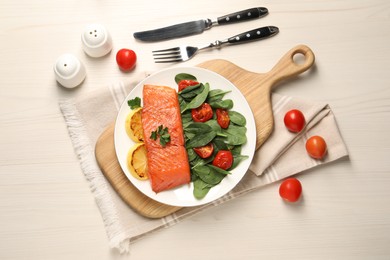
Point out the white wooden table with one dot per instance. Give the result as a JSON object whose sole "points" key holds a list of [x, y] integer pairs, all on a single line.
{"points": [[47, 209]]}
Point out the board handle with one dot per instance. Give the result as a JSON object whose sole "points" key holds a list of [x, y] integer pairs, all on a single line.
{"points": [[288, 67]]}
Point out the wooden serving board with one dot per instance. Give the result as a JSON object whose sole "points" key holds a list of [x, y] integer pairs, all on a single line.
{"points": [[256, 87]]}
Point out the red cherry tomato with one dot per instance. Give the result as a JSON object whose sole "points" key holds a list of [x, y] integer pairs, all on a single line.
{"points": [[316, 147], [223, 118], [290, 189], [294, 120], [186, 83], [126, 59], [204, 151], [203, 113], [223, 159]]}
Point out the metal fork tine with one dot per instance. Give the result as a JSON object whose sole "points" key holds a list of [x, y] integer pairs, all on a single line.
{"points": [[174, 58], [167, 50], [167, 61], [177, 56], [166, 53]]}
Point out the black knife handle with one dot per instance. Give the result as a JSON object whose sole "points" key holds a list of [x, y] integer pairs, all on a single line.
{"points": [[256, 34], [244, 15]]}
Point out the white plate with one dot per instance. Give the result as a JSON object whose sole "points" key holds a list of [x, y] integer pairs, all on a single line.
{"points": [[183, 196]]}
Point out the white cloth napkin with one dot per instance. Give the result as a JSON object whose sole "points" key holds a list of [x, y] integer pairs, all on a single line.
{"points": [[282, 155]]}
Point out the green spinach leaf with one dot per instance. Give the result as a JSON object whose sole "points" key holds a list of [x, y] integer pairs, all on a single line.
{"points": [[198, 99], [191, 93], [208, 174], [182, 76], [237, 159], [216, 94], [214, 125], [200, 134], [237, 118], [201, 188], [189, 89], [225, 104], [235, 135]]}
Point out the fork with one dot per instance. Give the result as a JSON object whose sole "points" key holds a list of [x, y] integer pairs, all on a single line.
{"points": [[184, 53]]}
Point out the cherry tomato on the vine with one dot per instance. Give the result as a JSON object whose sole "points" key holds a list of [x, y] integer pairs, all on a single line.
{"points": [[126, 59], [202, 113], [316, 147], [204, 151], [223, 159], [294, 120], [186, 83], [223, 118], [290, 189]]}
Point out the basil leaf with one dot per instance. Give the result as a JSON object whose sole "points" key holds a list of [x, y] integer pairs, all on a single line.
{"points": [[237, 118], [199, 99], [182, 76]]}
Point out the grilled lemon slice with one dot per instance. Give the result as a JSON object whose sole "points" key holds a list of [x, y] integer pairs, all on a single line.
{"points": [[137, 162], [134, 125]]}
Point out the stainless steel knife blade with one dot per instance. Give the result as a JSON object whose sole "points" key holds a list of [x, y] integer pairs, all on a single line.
{"points": [[174, 31], [197, 27]]}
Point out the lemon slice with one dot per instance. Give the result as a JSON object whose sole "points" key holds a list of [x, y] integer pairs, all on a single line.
{"points": [[137, 162], [134, 125]]}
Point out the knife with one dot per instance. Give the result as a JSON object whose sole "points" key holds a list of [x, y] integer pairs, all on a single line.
{"points": [[196, 27]]}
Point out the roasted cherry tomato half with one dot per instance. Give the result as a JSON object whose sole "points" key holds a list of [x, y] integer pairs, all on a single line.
{"points": [[126, 59], [294, 120], [203, 113], [223, 159], [290, 189], [223, 118], [316, 147], [204, 151], [186, 83]]}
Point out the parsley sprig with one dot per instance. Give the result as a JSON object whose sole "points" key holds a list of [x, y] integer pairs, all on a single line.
{"points": [[134, 103], [161, 132]]}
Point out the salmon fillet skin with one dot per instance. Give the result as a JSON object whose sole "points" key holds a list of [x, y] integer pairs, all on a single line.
{"points": [[168, 166]]}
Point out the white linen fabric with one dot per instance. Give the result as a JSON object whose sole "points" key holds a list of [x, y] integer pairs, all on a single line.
{"points": [[282, 155]]}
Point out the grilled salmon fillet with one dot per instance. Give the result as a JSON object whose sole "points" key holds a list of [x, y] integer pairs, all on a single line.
{"points": [[168, 166]]}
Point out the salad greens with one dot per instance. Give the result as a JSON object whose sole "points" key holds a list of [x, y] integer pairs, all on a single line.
{"points": [[204, 174]]}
